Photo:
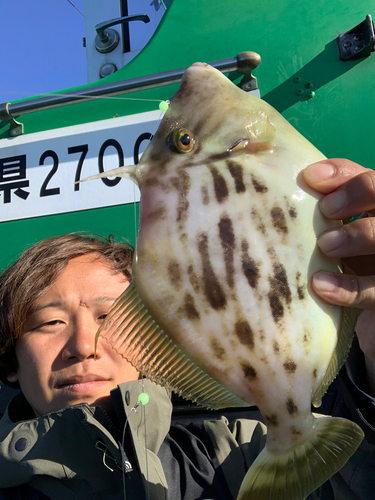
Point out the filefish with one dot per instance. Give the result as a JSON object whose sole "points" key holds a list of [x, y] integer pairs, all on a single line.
{"points": [[220, 308]]}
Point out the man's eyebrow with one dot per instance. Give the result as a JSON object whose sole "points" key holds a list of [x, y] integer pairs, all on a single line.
{"points": [[59, 304], [56, 304]]}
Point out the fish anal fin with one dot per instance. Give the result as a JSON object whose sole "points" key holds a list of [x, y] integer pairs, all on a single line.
{"points": [[344, 341], [134, 334], [295, 474]]}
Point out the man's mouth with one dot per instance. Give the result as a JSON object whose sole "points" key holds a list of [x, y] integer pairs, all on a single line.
{"points": [[82, 384]]}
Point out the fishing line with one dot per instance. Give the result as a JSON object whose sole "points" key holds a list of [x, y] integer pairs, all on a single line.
{"points": [[142, 400], [143, 397], [76, 8], [88, 97], [143, 409]]}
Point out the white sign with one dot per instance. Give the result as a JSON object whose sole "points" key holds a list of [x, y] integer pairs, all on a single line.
{"points": [[38, 171]]}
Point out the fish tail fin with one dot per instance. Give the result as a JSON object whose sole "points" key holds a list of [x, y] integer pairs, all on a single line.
{"points": [[295, 474]]}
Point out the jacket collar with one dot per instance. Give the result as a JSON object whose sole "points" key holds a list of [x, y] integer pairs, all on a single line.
{"points": [[48, 445]]}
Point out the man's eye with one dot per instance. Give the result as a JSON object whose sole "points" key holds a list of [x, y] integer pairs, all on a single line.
{"points": [[102, 317], [47, 325], [53, 322]]}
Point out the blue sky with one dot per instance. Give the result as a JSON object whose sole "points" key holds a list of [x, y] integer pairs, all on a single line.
{"points": [[41, 49]]}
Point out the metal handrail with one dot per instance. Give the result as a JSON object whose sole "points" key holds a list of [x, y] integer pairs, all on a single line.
{"points": [[244, 62]]}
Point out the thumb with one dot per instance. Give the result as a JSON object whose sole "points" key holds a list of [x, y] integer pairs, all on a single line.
{"points": [[345, 290]]}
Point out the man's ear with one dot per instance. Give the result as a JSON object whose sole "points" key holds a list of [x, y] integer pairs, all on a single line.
{"points": [[12, 377]]}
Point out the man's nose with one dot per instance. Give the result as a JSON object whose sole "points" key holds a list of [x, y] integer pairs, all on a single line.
{"points": [[81, 341]]}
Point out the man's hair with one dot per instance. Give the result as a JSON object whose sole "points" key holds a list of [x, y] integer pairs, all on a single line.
{"points": [[36, 271]]}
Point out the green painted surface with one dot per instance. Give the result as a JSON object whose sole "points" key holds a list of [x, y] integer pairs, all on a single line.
{"points": [[18, 235], [295, 39]]}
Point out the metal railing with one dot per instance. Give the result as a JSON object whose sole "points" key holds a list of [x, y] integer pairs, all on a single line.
{"points": [[245, 63]]}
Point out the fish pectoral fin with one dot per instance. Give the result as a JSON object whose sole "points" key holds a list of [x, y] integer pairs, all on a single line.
{"points": [[260, 131], [297, 473], [126, 171], [134, 334]]}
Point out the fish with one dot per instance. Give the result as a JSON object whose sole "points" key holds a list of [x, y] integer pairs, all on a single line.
{"points": [[220, 308]]}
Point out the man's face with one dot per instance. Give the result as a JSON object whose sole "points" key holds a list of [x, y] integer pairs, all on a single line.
{"points": [[56, 351]]}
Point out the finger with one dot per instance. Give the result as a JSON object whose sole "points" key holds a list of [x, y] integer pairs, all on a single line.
{"points": [[345, 290], [355, 196], [327, 175], [349, 240]]}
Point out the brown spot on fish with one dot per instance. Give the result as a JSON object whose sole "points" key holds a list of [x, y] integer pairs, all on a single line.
{"points": [[290, 366], [160, 212], [291, 406], [276, 347], [295, 431], [306, 336], [271, 420], [306, 340], [249, 266], [300, 288], [174, 274], [249, 372], [278, 220], [279, 290], [212, 288], [276, 306], [220, 186], [218, 157], [190, 309], [244, 333], [182, 184], [279, 283], [226, 234], [292, 212], [315, 373], [236, 171], [152, 182], [160, 166], [271, 252], [183, 238], [205, 197], [260, 225], [258, 186], [193, 278], [217, 349]]}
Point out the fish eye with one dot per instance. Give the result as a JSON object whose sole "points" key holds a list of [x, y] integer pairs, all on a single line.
{"points": [[181, 140]]}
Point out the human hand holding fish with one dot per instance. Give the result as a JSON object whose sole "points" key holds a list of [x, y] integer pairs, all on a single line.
{"points": [[349, 190], [354, 243]]}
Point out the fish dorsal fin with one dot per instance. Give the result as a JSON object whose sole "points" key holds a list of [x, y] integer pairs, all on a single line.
{"points": [[258, 127], [128, 171], [133, 333], [344, 342]]}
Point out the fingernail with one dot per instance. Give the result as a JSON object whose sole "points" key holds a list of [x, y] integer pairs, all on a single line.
{"points": [[331, 240], [333, 203], [325, 282], [320, 171]]}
